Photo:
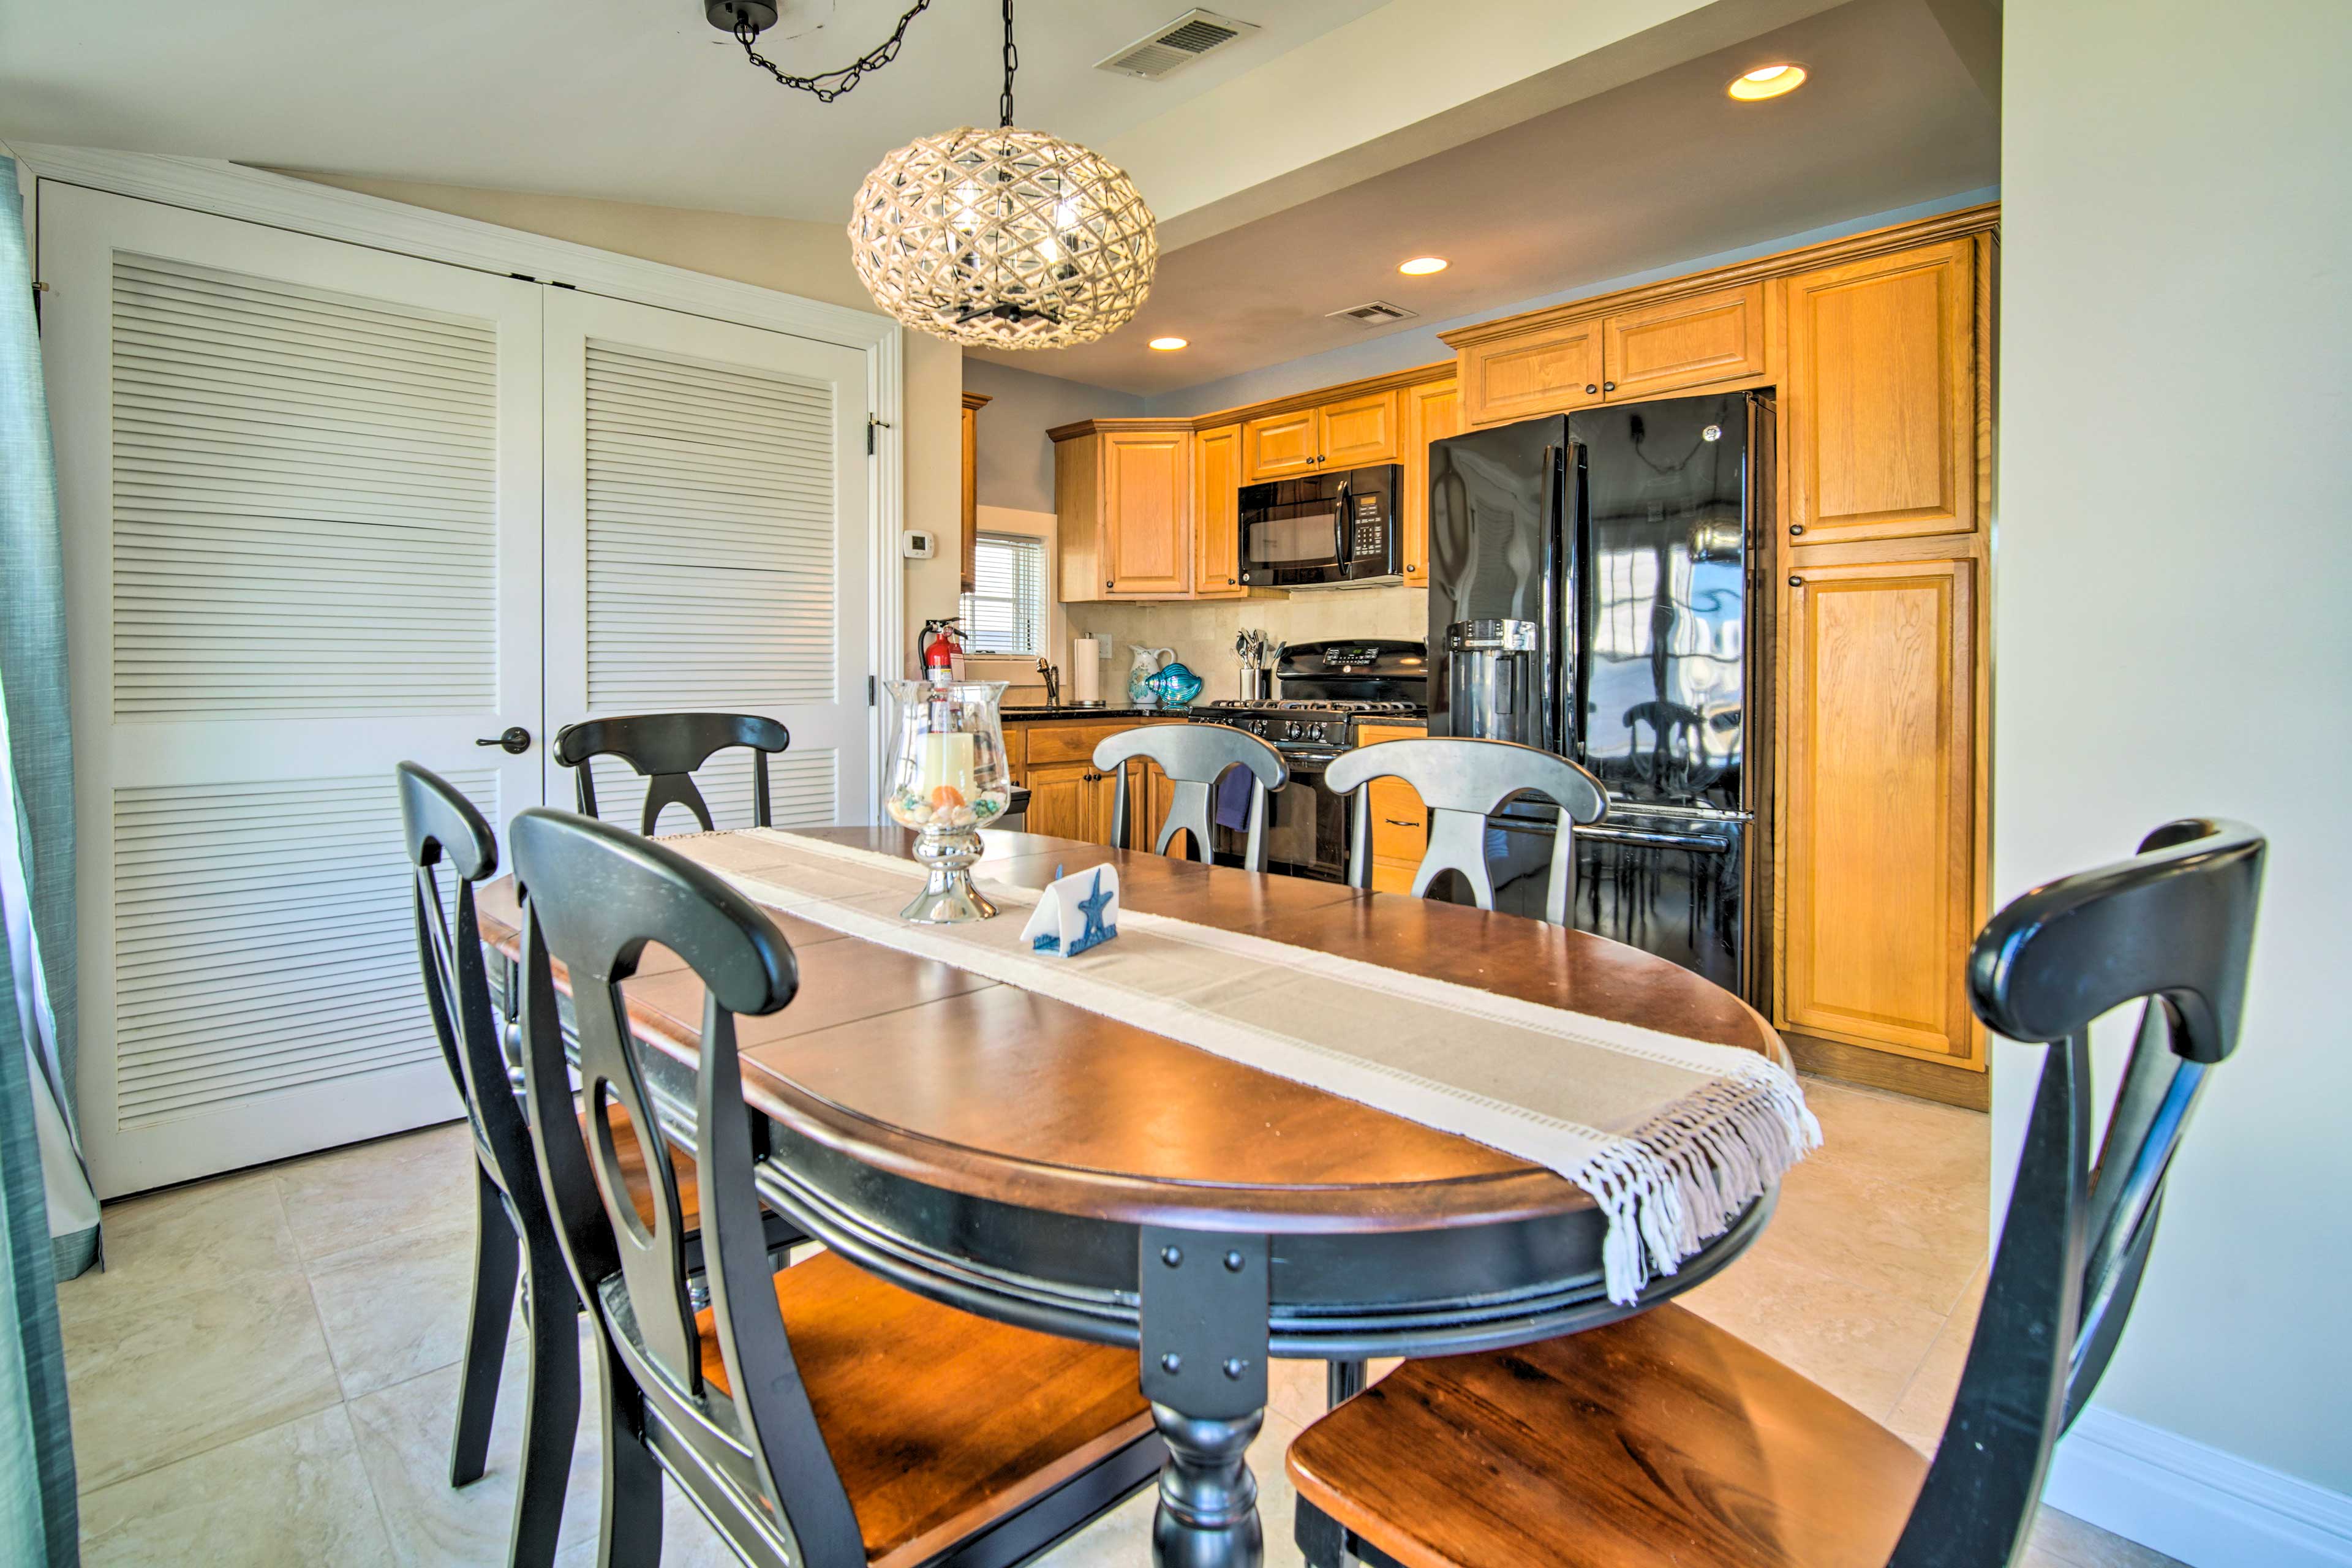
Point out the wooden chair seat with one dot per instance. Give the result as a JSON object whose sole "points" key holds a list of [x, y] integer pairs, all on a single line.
{"points": [[939, 1421], [641, 1187], [1657, 1442]]}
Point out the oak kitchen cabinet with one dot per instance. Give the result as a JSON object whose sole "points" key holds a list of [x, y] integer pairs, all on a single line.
{"points": [[1399, 821], [1068, 797], [1432, 411], [1882, 881], [973, 402], [1880, 425], [1123, 495], [1216, 513], [1351, 433], [1552, 361]]}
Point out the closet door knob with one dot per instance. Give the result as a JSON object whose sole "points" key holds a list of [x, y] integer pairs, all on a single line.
{"points": [[515, 740]]}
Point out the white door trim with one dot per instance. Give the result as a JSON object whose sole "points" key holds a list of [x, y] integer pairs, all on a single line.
{"points": [[229, 190]]}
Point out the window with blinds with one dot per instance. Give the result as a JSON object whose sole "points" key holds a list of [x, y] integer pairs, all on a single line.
{"points": [[1005, 611]]}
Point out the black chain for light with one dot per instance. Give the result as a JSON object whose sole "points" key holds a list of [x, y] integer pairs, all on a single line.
{"points": [[830, 85], [1012, 64]]}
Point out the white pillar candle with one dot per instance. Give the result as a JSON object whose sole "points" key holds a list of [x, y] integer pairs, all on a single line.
{"points": [[948, 764]]}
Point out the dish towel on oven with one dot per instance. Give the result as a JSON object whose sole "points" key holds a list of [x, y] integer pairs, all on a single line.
{"points": [[1672, 1137], [1233, 798]]}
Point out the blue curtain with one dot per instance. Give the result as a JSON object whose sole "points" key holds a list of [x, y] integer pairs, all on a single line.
{"points": [[43, 1188]]}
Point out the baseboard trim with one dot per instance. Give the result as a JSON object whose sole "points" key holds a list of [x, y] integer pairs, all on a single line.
{"points": [[2208, 1508], [1922, 1080]]}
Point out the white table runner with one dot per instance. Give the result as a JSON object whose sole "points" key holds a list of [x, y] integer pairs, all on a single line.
{"points": [[1672, 1137]]}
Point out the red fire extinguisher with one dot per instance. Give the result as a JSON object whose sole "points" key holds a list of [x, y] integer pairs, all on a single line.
{"points": [[942, 646]]}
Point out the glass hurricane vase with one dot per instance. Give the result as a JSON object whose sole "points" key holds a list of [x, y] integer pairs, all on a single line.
{"points": [[948, 779]]}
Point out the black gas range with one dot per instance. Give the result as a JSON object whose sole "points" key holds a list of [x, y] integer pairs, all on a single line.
{"points": [[1328, 690]]}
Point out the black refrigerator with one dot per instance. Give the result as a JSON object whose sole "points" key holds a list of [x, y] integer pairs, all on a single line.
{"points": [[1589, 585]]}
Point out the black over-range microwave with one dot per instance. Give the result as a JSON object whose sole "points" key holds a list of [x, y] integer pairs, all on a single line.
{"points": [[1331, 530]]}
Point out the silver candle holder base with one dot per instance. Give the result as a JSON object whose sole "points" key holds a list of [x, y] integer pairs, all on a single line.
{"points": [[948, 895]]}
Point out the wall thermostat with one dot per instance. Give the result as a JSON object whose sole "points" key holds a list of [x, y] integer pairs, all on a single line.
{"points": [[918, 544]]}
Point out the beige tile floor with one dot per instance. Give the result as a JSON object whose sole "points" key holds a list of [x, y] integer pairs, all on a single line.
{"points": [[266, 1372]]}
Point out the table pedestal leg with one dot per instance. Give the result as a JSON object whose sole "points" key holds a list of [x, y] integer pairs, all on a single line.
{"points": [[1208, 1515]]}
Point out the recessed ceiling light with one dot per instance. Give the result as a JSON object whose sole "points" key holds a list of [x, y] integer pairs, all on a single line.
{"points": [[1421, 265], [1165, 344], [1766, 82]]}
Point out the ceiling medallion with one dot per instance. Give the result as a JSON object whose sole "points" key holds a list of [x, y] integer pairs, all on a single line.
{"points": [[1005, 238]]}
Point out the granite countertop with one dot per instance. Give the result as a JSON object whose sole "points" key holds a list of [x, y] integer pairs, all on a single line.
{"points": [[1066, 711]]}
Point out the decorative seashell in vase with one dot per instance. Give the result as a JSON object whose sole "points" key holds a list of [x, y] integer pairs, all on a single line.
{"points": [[948, 779]]}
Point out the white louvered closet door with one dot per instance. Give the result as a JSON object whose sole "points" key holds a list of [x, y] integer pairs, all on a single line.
{"points": [[300, 486], [708, 548]]}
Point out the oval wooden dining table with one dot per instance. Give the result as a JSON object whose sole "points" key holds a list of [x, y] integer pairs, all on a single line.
{"points": [[1022, 1159]]}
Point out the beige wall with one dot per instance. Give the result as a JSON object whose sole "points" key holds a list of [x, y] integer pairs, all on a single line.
{"points": [[2172, 638], [811, 260]]}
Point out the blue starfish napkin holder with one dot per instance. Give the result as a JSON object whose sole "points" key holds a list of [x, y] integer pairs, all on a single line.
{"points": [[1075, 913]]}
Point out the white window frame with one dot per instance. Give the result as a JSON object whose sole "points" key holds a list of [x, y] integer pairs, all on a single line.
{"points": [[1029, 687]]}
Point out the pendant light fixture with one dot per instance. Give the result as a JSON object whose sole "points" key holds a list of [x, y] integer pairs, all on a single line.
{"points": [[1005, 238]]}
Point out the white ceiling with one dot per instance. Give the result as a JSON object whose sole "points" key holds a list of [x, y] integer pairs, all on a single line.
{"points": [[636, 101], [1654, 173]]}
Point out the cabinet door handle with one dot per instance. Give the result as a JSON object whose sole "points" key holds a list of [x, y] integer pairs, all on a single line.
{"points": [[1795, 528], [1796, 581], [1392, 822], [1608, 387], [1589, 387], [1105, 585]]}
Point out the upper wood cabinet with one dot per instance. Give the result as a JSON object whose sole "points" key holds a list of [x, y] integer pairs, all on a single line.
{"points": [[1432, 411], [973, 404], [1699, 340], [1123, 495], [1281, 446], [1148, 479], [1353, 432], [1216, 513], [1520, 375], [1883, 401], [1361, 431], [1879, 882]]}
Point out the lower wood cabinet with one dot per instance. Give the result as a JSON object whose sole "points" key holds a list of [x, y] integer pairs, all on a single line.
{"points": [[1068, 797], [1880, 804], [1399, 820]]}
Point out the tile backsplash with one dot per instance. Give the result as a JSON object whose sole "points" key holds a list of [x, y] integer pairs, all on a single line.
{"points": [[1202, 631]]}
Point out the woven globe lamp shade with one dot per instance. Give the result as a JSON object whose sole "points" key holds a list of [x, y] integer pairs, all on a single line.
{"points": [[1003, 238]]}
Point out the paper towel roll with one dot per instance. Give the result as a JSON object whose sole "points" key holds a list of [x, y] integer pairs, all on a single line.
{"points": [[1085, 670]]}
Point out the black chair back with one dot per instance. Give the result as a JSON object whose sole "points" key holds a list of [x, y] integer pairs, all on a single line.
{"points": [[1463, 782], [1194, 757], [441, 825], [667, 748], [595, 897], [2173, 926]]}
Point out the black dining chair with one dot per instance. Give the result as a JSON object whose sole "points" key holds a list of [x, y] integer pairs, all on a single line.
{"points": [[817, 1416], [1463, 783], [1194, 757], [667, 748], [512, 1228], [1661, 1440]]}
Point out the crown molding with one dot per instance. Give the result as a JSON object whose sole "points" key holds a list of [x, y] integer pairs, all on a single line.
{"points": [[1830, 253]]}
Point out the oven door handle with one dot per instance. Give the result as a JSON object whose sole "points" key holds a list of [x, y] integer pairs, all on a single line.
{"points": [[1698, 843], [1316, 758]]}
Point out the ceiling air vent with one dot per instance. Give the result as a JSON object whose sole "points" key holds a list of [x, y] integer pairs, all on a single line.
{"points": [[1179, 43], [1379, 313]]}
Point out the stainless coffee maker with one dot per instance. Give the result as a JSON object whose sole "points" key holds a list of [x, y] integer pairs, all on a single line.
{"points": [[1490, 682]]}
